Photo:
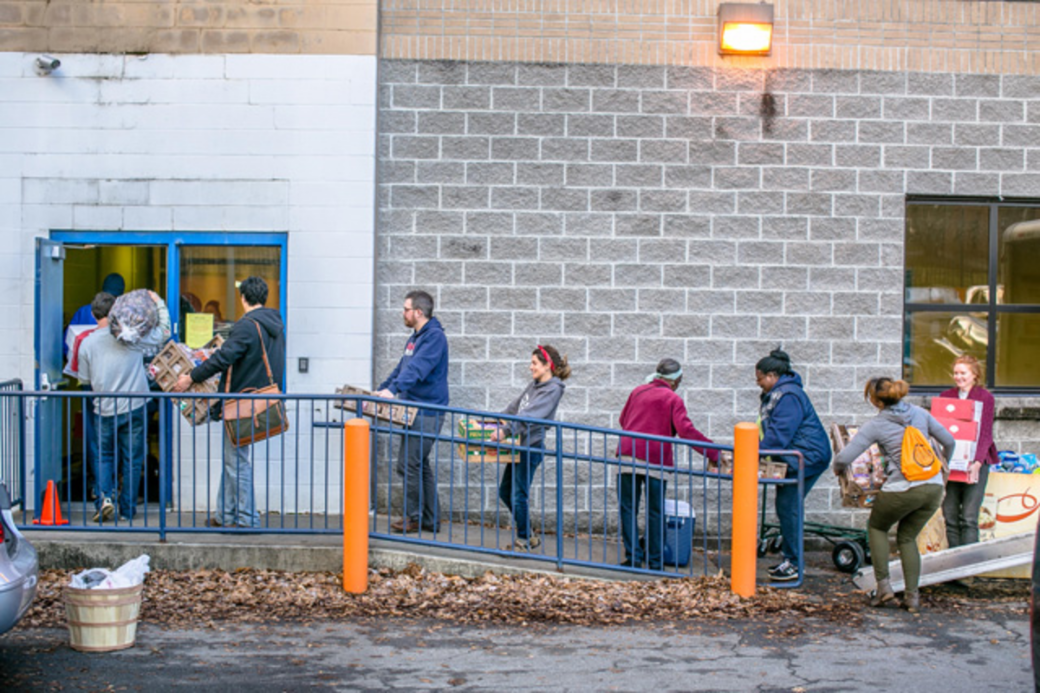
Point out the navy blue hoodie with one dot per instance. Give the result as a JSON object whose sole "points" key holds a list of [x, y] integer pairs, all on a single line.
{"points": [[422, 373], [789, 422]]}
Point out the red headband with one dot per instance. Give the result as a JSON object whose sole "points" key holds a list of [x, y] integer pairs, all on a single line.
{"points": [[547, 357]]}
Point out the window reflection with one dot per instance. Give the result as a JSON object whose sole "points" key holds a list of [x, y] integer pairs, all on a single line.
{"points": [[934, 340], [209, 279], [1018, 347], [947, 252], [1018, 268]]}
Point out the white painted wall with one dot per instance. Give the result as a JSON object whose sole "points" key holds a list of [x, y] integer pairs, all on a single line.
{"points": [[200, 143]]}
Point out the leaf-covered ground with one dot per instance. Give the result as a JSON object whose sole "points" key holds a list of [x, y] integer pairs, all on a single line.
{"points": [[206, 597]]}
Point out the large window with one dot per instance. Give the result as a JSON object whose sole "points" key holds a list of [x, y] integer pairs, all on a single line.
{"points": [[972, 287]]}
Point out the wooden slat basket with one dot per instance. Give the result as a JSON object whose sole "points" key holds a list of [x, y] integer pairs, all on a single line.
{"points": [[102, 620]]}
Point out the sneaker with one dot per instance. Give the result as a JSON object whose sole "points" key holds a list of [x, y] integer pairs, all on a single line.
{"points": [[784, 572], [105, 512]]}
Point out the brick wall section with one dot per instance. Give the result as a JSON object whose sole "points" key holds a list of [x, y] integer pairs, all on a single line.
{"points": [[896, 35], [628, 213], [346, 27]]}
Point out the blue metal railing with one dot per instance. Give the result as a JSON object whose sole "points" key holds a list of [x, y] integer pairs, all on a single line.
{"points": [[298, 481], [12, 441]]}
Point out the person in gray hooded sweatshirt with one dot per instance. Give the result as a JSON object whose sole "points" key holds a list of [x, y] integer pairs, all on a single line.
{"points": [[538, 401], [909, 503]]}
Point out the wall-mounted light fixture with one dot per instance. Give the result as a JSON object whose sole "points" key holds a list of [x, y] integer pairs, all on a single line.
{"points": [[745, 28]]}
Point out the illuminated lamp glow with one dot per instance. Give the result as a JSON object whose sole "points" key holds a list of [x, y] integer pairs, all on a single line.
{"points": [[746, 38]]}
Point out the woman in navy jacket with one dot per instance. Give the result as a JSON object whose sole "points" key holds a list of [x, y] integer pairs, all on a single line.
{"points": [[788, 421]]}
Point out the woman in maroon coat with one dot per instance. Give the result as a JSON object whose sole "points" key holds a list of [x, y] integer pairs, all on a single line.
{"points": [[652, 408], [964, 498]]}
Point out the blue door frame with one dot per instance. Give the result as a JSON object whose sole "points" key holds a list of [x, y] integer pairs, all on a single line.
{"points": [[173, 241]]}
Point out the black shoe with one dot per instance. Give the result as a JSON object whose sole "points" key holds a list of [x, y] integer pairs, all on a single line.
{"points": [[785, 572], [629, 563]]}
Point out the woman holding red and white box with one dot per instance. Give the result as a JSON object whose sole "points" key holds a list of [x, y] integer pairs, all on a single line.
{"points": [[965, 491]]}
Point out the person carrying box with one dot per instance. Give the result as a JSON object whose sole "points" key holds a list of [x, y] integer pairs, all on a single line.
{"points": [[964, 496], [539, 400], [656, 409], [420, 376]]}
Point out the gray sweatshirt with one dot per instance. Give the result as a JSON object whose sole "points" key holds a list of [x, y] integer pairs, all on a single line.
{"points": [[537, 401], [886, 429]]}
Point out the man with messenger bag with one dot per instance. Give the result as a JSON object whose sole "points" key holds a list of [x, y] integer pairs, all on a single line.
{"points": [[251, 361]]}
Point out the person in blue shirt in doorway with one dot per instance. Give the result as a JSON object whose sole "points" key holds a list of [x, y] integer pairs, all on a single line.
{"points": [[114, 284], [788, 421], [420, 376]]}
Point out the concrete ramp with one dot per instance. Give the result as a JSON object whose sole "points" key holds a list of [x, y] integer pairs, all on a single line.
{"points": [[961, 562]]}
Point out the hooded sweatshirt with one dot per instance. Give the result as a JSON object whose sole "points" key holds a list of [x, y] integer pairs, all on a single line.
{"points": [[422, 373], [537, 401], [242, 353], [886, 429], [789, 422]]}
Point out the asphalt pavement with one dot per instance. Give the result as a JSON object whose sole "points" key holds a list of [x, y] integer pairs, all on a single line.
{"points": [[985, 648]]}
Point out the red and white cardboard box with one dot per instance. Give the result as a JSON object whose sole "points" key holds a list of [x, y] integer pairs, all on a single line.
{"points": [[960, 430], [953, 408]]}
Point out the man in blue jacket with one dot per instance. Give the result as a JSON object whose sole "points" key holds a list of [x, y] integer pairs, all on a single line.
{"points": [[420, 376]]}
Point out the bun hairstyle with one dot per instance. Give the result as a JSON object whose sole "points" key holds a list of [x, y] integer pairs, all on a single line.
{"points": [[560, 368], [778, 363], [885, 390], [972, 363]]}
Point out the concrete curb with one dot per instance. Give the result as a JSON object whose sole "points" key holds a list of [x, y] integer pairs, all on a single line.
{"points": [[318, 554]]}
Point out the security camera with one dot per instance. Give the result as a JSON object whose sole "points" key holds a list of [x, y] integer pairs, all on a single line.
{"points": [[46, 64]]}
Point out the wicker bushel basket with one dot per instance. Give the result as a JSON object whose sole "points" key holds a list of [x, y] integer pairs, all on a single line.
{"points": [[102, 620]]}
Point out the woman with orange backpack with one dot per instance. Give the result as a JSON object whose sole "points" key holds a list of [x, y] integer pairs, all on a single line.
{"points": [[913, 488]]}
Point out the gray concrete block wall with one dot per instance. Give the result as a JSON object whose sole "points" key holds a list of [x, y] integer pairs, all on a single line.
{"points": [[624, 214]]}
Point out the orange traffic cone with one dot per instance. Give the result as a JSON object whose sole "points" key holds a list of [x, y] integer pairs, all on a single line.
{"points": [[51, 507]]}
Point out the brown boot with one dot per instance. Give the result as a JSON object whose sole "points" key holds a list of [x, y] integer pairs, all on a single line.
{"points": [[883, 593], [912, 602]]}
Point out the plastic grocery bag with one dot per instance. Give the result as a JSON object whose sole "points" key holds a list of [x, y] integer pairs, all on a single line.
{"points": [[129, 574], [133, 316]]}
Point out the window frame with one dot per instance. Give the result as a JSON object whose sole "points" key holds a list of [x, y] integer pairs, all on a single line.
{"points": [[991, 307]]}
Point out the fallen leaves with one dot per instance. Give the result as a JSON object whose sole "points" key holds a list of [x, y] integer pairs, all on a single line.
{"points": [[209, 597]]}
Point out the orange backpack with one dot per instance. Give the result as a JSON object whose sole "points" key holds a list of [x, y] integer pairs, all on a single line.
{"points": [[919, 461]]}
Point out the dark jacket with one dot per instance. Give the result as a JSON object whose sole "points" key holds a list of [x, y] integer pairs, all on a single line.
{"points": [[422, 373], [537, 401], [654, 408], [243, 354], [788, 421], [987, 449]]}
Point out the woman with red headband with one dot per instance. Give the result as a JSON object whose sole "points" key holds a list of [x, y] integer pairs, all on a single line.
{"points": [[538, 401]]}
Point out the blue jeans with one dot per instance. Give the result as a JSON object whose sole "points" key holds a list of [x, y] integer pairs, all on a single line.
{"points": [[515, 488], [630, 491], [236, 504], [787, 512], [121, 441], [413, 465]]}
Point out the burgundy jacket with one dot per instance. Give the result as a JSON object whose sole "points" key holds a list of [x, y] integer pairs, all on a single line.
{"points": [[987, 450], [655, 409]]}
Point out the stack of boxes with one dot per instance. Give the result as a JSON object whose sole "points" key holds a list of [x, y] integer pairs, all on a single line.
{"points": [[962, 418], [766, 468]]}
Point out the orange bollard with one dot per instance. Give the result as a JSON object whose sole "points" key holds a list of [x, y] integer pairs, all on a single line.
{"points": [[355, 506], [745, 509], [51, 514]]}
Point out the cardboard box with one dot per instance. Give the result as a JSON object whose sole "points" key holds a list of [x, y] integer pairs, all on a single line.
{"points": [[951, 408], [862, 480], [175, 359], [391, 411], [766, 468], [479, 431], [961, 430], [1010, 505]]}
